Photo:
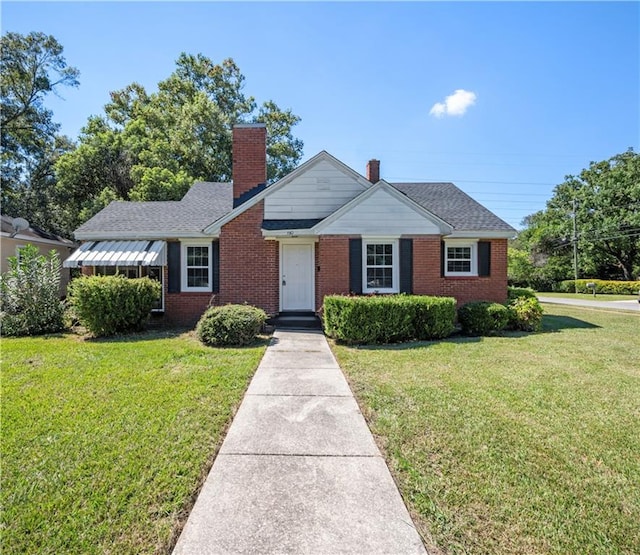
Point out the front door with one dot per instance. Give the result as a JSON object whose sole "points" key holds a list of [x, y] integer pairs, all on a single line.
{"points": [[296, 276]]}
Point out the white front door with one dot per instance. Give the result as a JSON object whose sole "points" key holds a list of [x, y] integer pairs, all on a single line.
{"points": [[296, 276]]}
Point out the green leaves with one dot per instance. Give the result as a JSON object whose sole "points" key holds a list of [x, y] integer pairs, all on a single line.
{"points": [[607, 217], [32, 66], [154, 146], [30, 294]]}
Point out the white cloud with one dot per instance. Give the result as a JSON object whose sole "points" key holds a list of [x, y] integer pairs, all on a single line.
{"points": [[455, 104]]}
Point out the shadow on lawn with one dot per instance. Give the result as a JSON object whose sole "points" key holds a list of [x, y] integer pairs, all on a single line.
{"points": [[553, 322], [550, 324]]}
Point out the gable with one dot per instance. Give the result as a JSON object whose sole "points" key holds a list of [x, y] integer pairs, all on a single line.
{"points": [[381, 212], [315, 193]]}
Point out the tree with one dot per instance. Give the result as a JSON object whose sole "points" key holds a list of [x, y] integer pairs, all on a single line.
{"points": [[32, 67], [604, 199], [154, 146]]}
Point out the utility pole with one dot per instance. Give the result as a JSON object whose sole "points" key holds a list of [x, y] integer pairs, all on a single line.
{"points": [[575, 247]]}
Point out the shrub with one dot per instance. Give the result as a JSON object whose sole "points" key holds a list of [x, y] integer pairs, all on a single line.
{"points": [[107, 305], [525, 313], [514, 293], [231, 324], [603, 287], [483, 318], [30, 294], [387, 318], [434, 317]]}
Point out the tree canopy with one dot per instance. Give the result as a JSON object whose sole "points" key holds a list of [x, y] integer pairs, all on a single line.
{"points": [[32, 67], [606, 197], [154, 146]]}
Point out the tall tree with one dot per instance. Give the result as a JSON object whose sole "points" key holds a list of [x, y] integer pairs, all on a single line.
{"points": [[32, 67], [154, 146], [604, 200]]}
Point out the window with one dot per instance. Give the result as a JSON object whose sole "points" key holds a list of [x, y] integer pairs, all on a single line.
{"points": [[196, 275], [380, 263], [461, 259]]}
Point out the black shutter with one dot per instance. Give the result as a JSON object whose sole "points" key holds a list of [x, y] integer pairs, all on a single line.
{"points": [[173, 261], [406, 266], [355, 266], [484, 258], [215, 253], [443, 258]]}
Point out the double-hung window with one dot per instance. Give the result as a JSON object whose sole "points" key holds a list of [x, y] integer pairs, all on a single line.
{"points": [[461, 259], [380, 265], [196, 267]]}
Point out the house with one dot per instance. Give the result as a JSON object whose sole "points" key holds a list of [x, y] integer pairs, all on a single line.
{"points": [[322, 229], [16, 233]]}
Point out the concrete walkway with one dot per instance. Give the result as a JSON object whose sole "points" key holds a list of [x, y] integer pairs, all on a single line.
{"points": [[299, 471], [631, 305]]}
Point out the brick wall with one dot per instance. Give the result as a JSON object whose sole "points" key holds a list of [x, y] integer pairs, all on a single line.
{"points": [[428, 279], [185, 309], [332, 257], [333, 277], [249, 264]]}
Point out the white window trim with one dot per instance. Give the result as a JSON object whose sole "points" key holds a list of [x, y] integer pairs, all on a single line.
{"points": [[395, 253], [183, 270], [473, 245]]}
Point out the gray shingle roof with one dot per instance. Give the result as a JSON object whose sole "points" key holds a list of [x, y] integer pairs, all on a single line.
{"points": [[203, 204], [206, 202], [454, 206]]}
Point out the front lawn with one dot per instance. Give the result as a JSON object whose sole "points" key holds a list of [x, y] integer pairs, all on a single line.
{"points": [[514, 444], [104, 442]]}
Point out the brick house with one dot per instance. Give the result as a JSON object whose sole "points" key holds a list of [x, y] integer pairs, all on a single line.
{"points": [[322, 229]]}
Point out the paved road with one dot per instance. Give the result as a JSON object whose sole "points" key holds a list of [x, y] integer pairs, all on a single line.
{"points": [[299, 471], [633, 305]]}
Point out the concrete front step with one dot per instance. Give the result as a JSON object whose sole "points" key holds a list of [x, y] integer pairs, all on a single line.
{"points": [[293, 320]]}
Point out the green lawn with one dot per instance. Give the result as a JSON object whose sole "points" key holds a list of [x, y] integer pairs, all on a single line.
{"points": [[590, 297], [514, 444], [105, 442]]}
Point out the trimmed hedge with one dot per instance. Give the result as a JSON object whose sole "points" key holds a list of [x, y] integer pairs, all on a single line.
{"points": [[483, 318], [232, 324], [107, 305], [388, 318], [603, 287], [514, 293]]}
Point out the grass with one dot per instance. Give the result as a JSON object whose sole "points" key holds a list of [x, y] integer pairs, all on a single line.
{"points": [[104, 442], [590, 297], [526, 443]]}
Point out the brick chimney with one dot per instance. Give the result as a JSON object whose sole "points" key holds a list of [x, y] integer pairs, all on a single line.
{"points": [[373, 171], [249, 157]]}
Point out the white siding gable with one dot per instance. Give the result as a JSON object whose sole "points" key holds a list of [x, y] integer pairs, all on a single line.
{"points": [[314, 194], [381, 214]]}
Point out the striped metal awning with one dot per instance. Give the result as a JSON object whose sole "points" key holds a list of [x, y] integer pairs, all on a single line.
{"points": [[118, 253]]}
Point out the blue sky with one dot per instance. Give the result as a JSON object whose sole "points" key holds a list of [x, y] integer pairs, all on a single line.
{"points": [[546, 87]]}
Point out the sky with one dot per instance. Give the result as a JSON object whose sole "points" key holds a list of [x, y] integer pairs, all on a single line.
{"points": [[504, 98]]}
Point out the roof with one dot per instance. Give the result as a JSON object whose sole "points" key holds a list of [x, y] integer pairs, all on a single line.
{"points": [[32, 232], [454, 206], [204, 203], [207, 203]]}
